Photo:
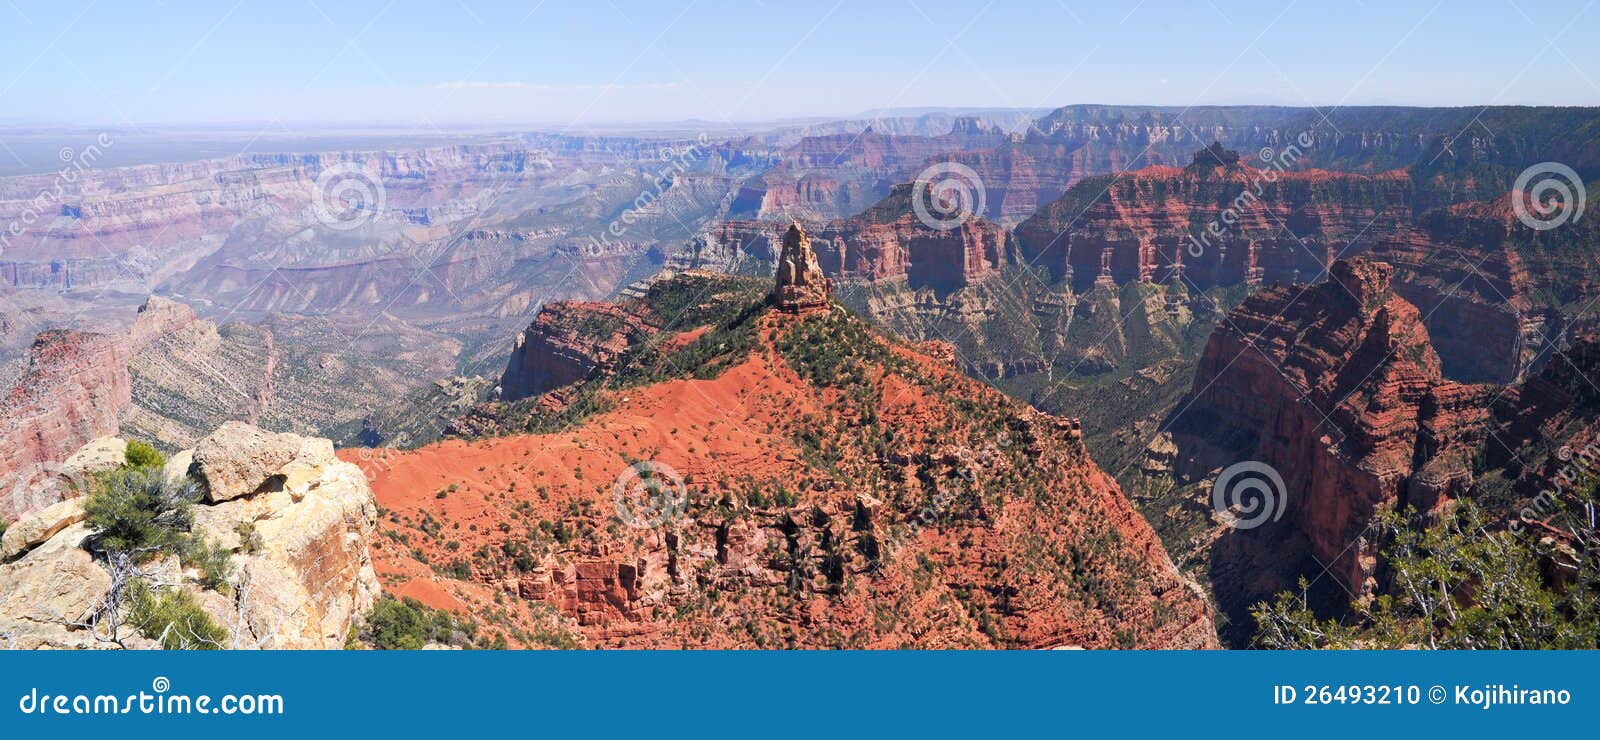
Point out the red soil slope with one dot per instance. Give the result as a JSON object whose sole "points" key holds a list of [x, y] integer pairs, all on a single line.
{"points": [[880, 501]]}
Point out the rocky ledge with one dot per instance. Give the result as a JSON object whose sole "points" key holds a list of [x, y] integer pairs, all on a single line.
{"points": [[296, 521]]}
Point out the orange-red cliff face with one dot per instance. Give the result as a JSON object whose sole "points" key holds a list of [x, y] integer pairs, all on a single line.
{"points": [[75, 389], [1490, 296], [1207, 226], [565, 343], [887, 242], [1337, 387], [839, 489], [1214, 225]]}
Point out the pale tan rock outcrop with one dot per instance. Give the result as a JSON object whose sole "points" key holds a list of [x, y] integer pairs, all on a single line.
{"points": [[99, 456], [55, 585], [37, 527], [178, 465], [304, 570], [238, 459], [299, 538]]}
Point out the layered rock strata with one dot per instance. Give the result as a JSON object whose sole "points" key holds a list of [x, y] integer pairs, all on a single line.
{"points": [[75, 389], [1336, 387]]}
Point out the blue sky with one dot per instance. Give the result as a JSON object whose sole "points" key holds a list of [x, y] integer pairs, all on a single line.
{"points": [[457, 62]]}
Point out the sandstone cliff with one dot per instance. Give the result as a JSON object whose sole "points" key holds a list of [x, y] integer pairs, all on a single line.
{"points": [[565, 343], [1337, 388], [1489, 293], [76, 388], [1341, 392], [800, 284], [296, 522], [885, 243]]}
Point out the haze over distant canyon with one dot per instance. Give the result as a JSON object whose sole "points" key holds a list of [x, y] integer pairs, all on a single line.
{"points": [[960, 378]]}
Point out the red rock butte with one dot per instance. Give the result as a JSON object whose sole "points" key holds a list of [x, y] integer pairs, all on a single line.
{"points": [[800, 284]]}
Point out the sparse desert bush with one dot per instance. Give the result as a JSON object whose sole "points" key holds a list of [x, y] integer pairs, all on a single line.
{"points": [[214, 562], [172, 617], [137, 511], [141, 455], [408, 624], [249, 538], [1458, 584]]}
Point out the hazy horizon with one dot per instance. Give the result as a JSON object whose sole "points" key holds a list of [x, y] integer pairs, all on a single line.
{"points": [[32, 147], [502, 64], [281, 129]]}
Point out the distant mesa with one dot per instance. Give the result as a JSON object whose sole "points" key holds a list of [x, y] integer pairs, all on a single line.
{"points": [[800, 284], [1214, 155]]}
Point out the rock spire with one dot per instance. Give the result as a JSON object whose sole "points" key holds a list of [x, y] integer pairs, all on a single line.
{"points": [[800, 284]]}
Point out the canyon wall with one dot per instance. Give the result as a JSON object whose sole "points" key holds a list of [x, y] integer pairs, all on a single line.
{"points": [[832, 176], [75, 389], [1217, 226], [566, 343], [1337, 387], [173, 378]]}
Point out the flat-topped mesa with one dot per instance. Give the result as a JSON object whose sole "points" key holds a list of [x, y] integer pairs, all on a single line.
{"points": [[800, 284]]}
